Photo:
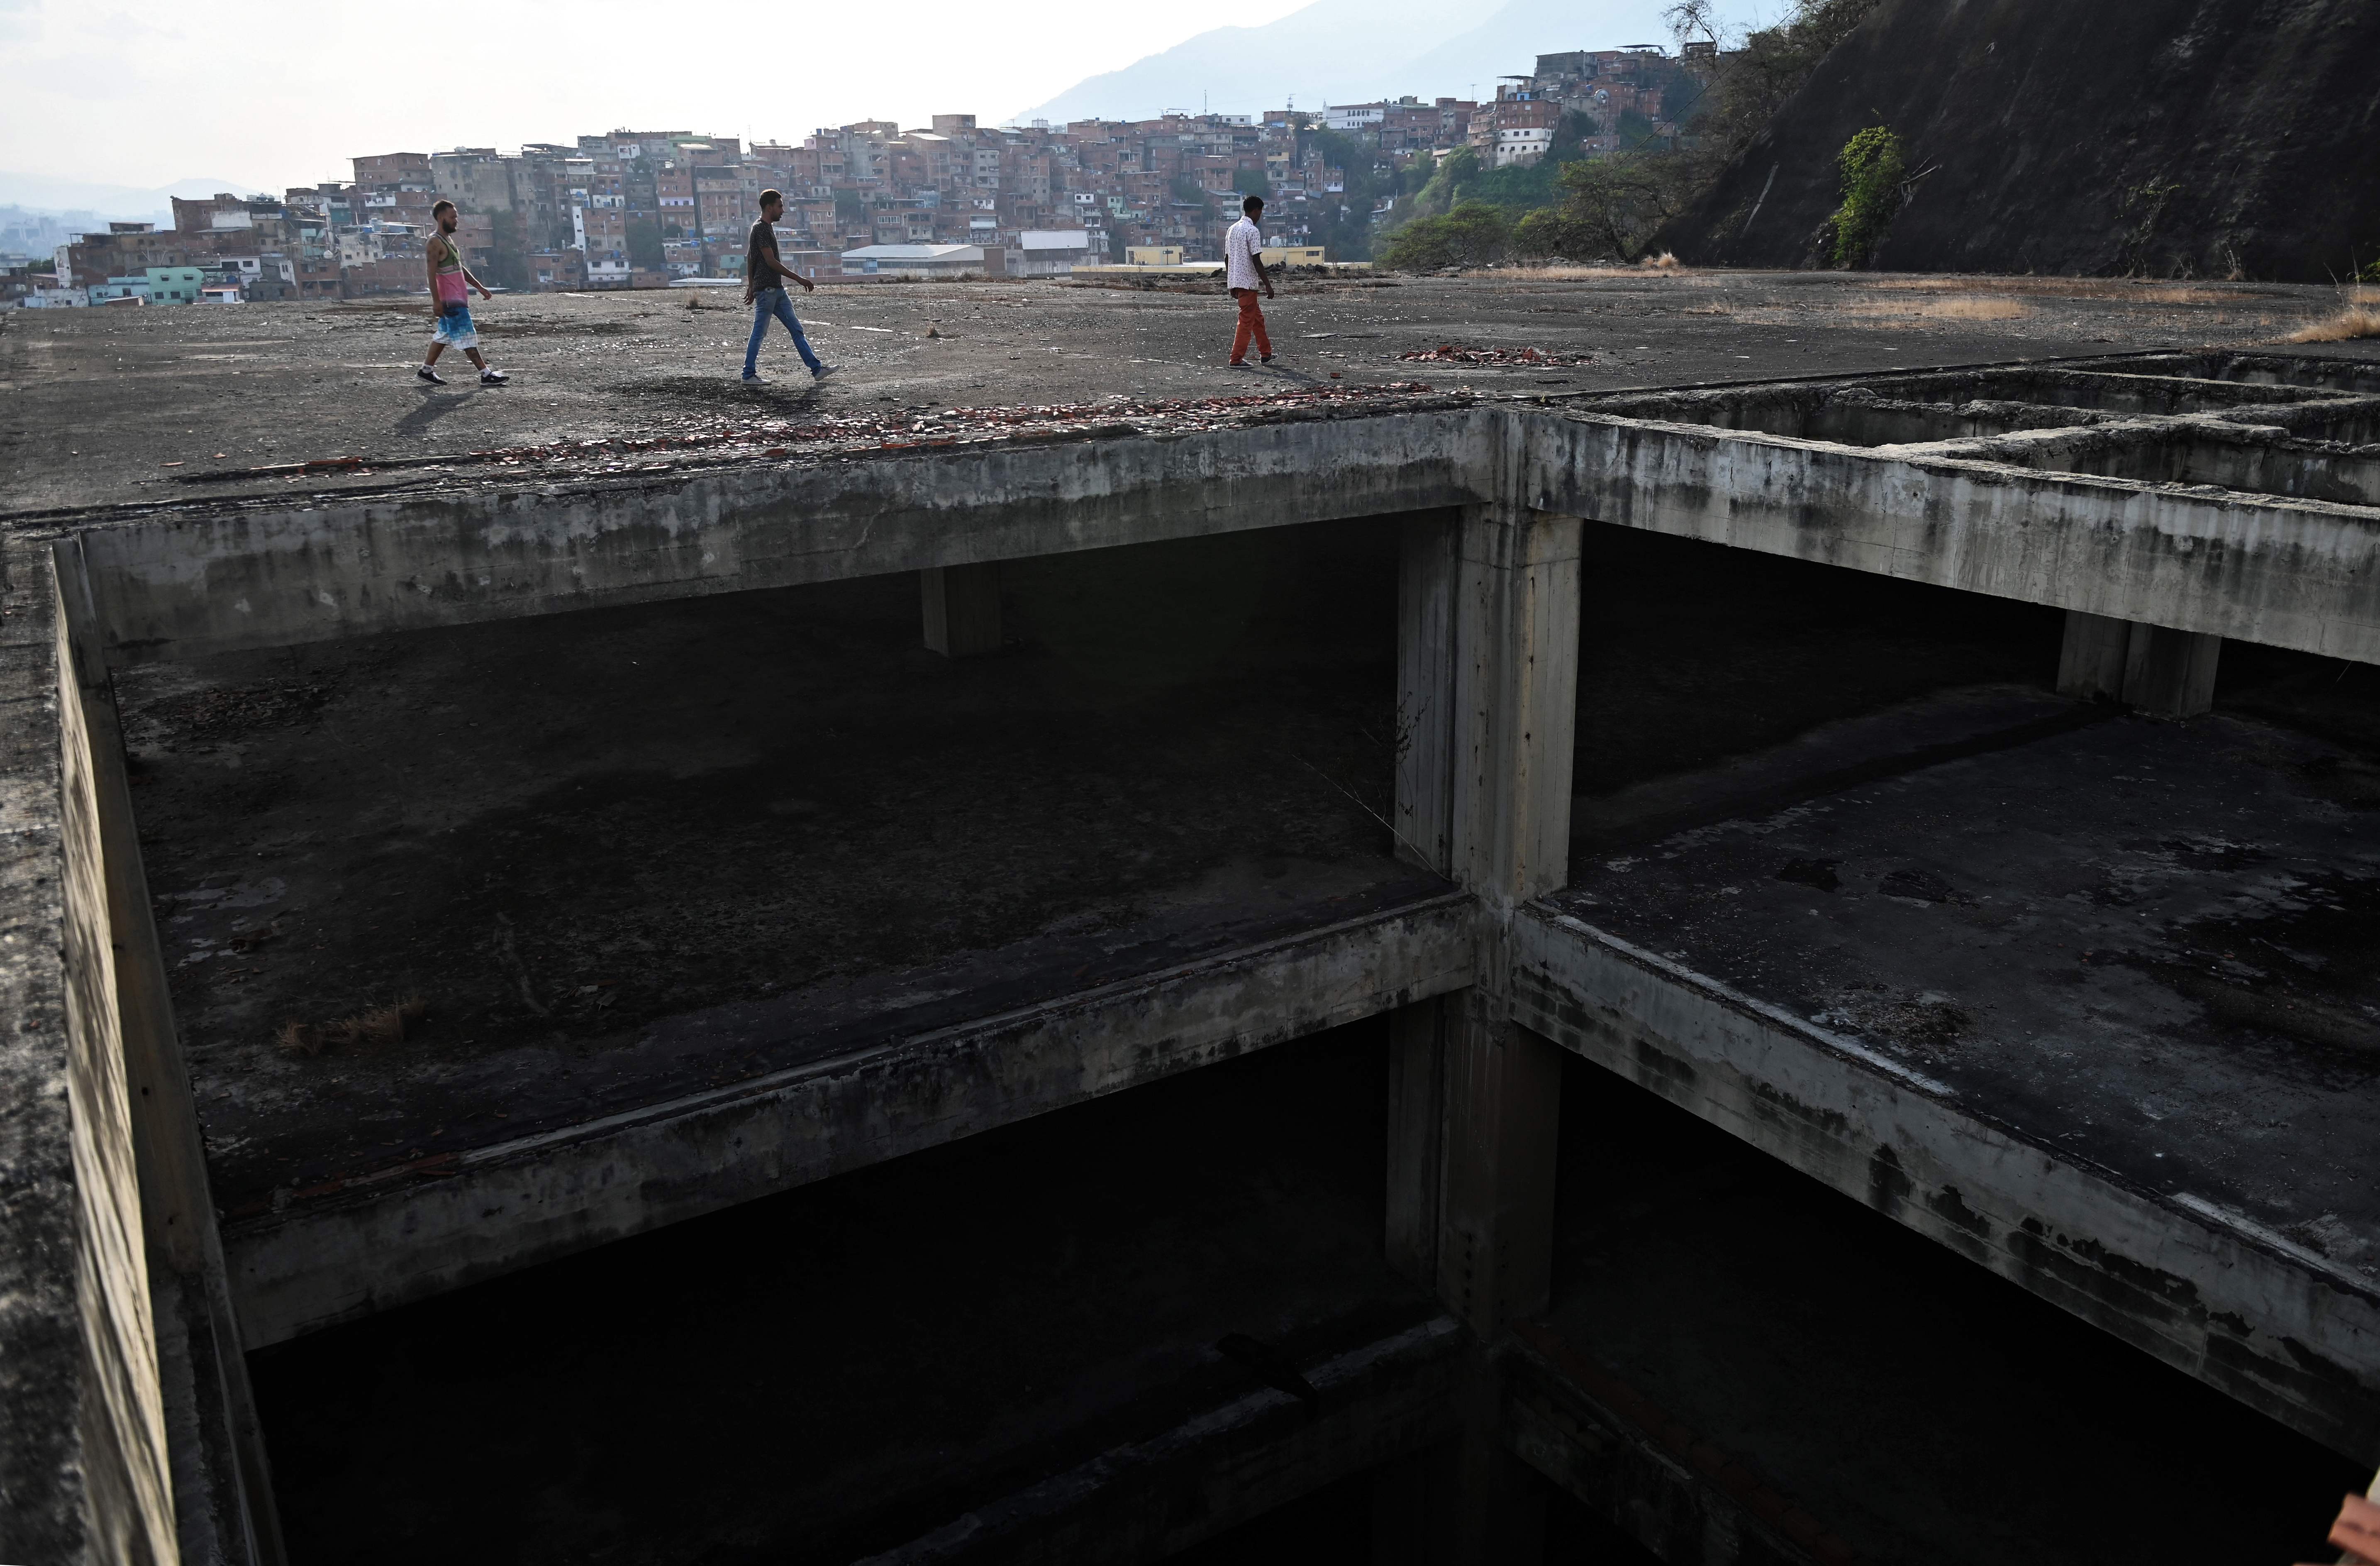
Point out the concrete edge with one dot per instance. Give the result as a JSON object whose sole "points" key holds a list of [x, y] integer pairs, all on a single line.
{"points": [[2169, 1272], [424, 1228]]}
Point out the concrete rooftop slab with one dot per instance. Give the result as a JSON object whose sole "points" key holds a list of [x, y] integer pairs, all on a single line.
{"points": [[103, 400], [2099, 1010]]}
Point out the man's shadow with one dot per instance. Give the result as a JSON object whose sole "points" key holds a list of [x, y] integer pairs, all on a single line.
{"points": [[433, 407]]}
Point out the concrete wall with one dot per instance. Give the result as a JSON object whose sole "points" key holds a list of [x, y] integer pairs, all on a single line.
{"points": [[252, 577], [2300, 573], [84, 1462]]}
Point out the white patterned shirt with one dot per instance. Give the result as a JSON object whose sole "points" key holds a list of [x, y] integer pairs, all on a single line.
{"points": [[1241, 243]]}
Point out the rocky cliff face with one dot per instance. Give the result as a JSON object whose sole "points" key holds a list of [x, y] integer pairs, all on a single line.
{"points": [[2166, 138]]}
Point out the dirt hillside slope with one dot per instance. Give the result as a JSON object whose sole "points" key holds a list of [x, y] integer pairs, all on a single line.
{"points": [[2168, 138]]}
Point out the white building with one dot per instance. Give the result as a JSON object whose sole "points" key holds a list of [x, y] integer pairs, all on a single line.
{"points": [[914, 261], [1054, 253], [1354, 118], [1522, 144]]}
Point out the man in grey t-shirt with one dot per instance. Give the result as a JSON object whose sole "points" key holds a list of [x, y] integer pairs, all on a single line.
{"points": [[764, 288]]}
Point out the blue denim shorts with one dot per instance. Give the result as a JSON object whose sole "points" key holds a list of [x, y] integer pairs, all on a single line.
{"points": [[454, 329]]}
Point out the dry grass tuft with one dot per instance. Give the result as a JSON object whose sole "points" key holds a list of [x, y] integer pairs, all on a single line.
{"points": [[1962, 306], [2355, 321], [381, 1025], [1970, 307], [2123, 289], [1666, 262]]}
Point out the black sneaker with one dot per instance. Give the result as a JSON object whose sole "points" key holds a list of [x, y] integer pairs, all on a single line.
{"points": [[1264, 359], [423, 372], [491, 377], [822, 372]]}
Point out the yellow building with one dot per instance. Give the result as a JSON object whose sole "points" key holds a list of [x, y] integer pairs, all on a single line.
{"points": [[1291, 255], [1154, 256]]}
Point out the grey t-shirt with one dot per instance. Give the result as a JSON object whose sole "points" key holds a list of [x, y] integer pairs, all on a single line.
{"points": [[763, 242]]}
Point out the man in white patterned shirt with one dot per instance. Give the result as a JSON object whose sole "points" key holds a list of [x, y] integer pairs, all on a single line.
{"points": [[1243, 274]]}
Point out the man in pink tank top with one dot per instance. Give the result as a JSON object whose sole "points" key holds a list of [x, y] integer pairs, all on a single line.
{"points": [[450, 300]]}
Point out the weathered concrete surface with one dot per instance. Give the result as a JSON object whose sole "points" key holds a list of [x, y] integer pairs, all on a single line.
{"points": [[102, 401], [1385, 1400], [2094, 1012], [2293, 572], [221, 1478], [187, 586], [84, 1469], [2301, 574], [414, 1228]]}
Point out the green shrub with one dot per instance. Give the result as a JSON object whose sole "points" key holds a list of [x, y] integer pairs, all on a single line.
{"points": [[1871, 164], [1472, 235], [1553, 231], [1616, 204]]}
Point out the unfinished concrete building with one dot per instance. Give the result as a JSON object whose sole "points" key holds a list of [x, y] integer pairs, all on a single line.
{"points": [[1471, 980]]}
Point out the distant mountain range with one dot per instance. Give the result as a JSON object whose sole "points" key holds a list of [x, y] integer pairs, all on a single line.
{"points": [[44, 194], [1353, 51]]}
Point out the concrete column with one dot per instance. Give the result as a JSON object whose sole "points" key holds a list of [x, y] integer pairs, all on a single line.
{"points": [[1489, 689], [1416, 1122], [962, 608], [2091, 658], [2162, 671], [2171, 673]]}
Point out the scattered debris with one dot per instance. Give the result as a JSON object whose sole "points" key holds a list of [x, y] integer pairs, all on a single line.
{"points": [[890, 430], [1448, 353], [382, 1025]]}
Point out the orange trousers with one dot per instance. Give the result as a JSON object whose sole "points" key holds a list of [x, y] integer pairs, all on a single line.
{"points": [[1251, 326]]}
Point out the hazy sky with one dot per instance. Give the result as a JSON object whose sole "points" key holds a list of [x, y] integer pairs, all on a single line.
{"points": [[282, 93]]}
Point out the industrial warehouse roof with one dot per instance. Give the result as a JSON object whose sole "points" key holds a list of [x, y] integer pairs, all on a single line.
{"points": [[927, 254]]}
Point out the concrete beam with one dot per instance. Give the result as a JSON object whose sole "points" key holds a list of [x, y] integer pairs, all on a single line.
{"points": [[490, 1211], [188, 584], [2276, 1325], [961, 605], [2288, 573]]}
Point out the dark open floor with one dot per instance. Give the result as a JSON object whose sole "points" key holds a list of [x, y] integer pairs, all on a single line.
{"points": [[840, 1368], [625, 853], [2149, 945], [1921, 1408], [814, 1375]]}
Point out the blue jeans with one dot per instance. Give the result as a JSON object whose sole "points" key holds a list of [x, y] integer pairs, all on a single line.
{"points": [[768, 303]]}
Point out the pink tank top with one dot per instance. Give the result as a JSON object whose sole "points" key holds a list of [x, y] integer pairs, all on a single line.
{"points": [[452, 289]]}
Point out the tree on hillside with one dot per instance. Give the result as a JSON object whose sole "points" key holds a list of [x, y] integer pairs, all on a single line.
{"points": [[1871, 164], [1472, 235]]}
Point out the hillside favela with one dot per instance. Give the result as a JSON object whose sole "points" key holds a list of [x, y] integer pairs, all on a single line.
{"points": [[645, 209], [1575, 785]]}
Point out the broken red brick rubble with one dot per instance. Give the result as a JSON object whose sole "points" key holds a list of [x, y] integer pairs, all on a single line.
{"points": [[1448, 353]]}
